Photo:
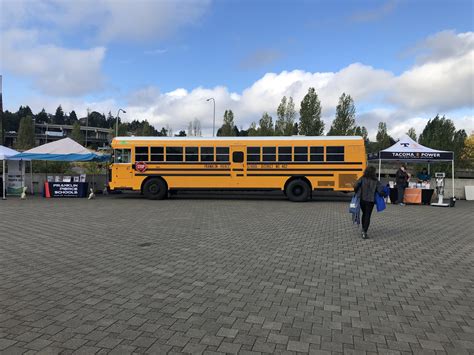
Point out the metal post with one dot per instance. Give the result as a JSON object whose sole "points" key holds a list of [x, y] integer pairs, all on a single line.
{"points": [[214, 116], [380, 166], [87, 126], [3, 181], [117, 121], [452, 175]]}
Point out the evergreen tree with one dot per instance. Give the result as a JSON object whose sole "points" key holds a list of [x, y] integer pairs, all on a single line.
{"points": [[72, 117], [146, 129], [42, 117], [76, 133], [26, 134], [227, 129], [266, 125], [344, 123], [25, 111], [310, 115], [59, 116], [181, 133], [412, 133], [383, 139], [440, 133]]}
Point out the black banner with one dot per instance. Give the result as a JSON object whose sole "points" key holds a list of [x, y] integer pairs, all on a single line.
{"points": [[442, 156], [66, 189]]}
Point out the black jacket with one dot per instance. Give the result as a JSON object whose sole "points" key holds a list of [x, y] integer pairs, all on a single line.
{"points": [[366, 188], [401, 177]]}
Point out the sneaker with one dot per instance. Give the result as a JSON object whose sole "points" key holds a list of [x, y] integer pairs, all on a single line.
{"points": [[401, 204], [364, 235]]}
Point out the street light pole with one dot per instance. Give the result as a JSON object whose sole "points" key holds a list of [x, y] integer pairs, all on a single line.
{"points": [[214, 119], [117, 121]]}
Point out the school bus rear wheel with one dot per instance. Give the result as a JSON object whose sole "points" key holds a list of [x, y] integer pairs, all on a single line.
{"points": [[155, 189], [298, 190]]}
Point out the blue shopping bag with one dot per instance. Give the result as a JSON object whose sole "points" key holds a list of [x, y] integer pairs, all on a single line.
{"points": [[379, 202], [354, 209]]}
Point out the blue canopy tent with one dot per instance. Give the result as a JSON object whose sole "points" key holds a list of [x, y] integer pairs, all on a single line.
{"points": [[66, 150], [62, 150]]}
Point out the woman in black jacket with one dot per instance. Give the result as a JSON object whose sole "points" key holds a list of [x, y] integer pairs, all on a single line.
{"points": [[365, 187]]}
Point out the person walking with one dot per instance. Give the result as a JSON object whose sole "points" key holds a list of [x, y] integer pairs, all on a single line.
{"points": [[401, 178], [366, 187]]}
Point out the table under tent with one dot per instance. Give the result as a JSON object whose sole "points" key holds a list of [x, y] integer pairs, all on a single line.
{"points": [[63, 150], [5, 154], [407, 150]]}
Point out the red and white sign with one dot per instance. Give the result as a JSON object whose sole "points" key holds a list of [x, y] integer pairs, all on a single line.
{"points": [[141, 166]]}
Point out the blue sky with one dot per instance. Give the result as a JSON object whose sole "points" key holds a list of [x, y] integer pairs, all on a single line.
{"points": [[161, 59]]}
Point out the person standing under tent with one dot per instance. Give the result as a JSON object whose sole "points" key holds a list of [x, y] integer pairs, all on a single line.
{"points": [[401, 178], [366, 187]]}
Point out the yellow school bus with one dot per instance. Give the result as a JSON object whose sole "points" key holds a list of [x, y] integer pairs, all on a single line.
{"points": [[296, 165]]}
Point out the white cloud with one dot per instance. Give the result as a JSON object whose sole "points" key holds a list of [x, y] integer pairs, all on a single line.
{"points": [[105, 20], [54, 70], [444, 79]]}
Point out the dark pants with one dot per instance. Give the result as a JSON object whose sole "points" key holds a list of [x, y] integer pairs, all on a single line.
{"points": [[401, 193], [366, 207]]}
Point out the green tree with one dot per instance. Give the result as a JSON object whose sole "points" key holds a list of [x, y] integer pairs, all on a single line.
{"points": [[181, 133], [72, 117], [382, 137], [76, 133], [25, 111], [227, 129], [440, 133], [286, 115], [59, 116], [361, 131], [266, 125], [412, 133], [310, 115], [344, 123], [146, 129], [42, 117], [26, 134], [253, 130]]}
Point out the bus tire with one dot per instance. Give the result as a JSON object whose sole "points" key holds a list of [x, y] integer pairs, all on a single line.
{"points": [[298, 190], [155, 189]]}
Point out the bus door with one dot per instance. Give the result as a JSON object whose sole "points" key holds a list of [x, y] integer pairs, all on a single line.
{"points": [[238, 166], [122, 172]]}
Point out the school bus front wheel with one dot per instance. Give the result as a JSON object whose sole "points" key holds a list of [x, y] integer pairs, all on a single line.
{"points": [[155, 188], [298, 190]]}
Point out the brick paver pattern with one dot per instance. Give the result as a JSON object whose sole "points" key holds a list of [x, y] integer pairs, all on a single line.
{"points": [[121, 274]]}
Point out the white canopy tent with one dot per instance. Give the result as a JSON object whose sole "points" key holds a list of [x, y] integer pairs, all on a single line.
{"points": [[407, 150], [5, 154]]}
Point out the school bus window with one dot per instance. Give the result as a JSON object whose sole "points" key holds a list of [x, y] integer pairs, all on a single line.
{"points": [[269, 153], [174, 153], [335, 153], [284, 153], [207, 153], [301, 153], [157, 154], [222, 154], [141, 153], [253, 153], [192, 154], [238, 157], [122, 156], [316, 154]]}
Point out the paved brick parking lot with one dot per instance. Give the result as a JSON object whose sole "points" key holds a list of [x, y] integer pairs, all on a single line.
{"points": [[121, 274]]}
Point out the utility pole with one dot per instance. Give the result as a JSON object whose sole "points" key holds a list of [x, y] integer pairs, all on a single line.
{"points": [[87, 124]]}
